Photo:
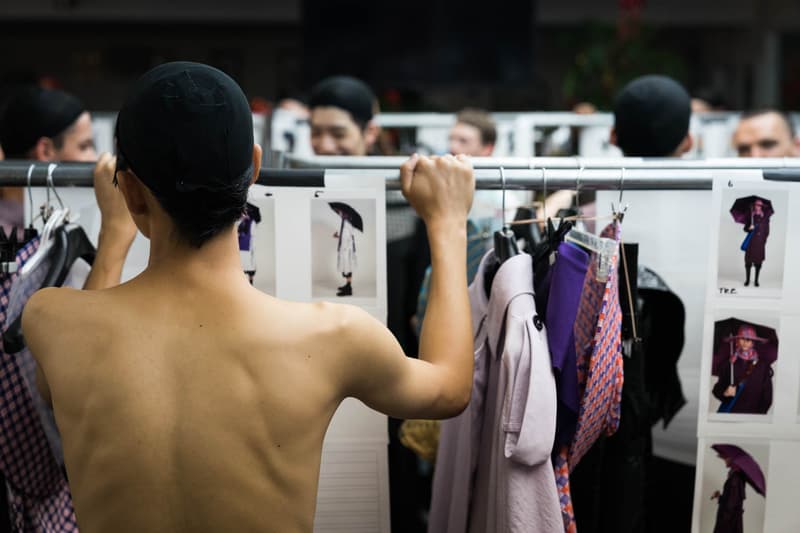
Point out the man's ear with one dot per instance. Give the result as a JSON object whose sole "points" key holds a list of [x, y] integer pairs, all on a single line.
{"points": [[135, 194], [371, 133], [685, 146], [486, 150], [133, 191], [257, 155], [44, 149]]}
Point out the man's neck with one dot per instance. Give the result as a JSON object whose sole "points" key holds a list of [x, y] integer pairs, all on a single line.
{"points": [[216, 258]]}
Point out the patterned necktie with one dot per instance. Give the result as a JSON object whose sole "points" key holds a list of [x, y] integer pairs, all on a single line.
{"points": [[599, 365]]}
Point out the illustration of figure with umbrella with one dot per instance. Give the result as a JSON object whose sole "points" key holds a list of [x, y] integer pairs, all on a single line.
{"points": [[754, 212], [743, 363], [346, 249], [742, 468], [246, 230]]}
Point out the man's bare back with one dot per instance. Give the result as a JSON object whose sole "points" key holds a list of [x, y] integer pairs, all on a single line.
{"points": [[188, 401], [170, 386]]}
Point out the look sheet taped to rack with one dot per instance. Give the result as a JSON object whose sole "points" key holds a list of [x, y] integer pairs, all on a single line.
{"points": [[329, 244], [749, 414]]}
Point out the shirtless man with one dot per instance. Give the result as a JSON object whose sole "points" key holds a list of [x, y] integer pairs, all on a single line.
{"points": [[189, 401]]}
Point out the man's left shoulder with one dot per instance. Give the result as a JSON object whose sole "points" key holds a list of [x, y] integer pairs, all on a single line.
{"points": [[56, 312]]}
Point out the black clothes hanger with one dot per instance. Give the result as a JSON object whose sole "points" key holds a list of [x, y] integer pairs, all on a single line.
{"points": [[528, 233], [71, 244]]}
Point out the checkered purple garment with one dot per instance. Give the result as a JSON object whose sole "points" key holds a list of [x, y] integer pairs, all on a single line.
{"points": [[597, 340], [39, 497]]}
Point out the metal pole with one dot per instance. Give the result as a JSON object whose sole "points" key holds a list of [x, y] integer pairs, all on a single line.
{"points": [[15, 174], [629, 163]]}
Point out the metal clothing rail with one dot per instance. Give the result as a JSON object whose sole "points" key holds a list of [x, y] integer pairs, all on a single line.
{"points": [[16, 174], [629, 163]]}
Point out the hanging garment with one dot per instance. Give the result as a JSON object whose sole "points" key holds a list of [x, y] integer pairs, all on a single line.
{"points": [[39, 497], [608, 486], [600, 375], [567, 276], [346, 249], [662, 319], [493, 471]]}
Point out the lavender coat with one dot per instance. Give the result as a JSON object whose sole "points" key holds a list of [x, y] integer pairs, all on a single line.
{"points": [[493, 471]]}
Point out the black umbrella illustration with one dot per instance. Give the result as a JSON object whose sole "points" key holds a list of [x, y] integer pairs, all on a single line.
{"points": [[347, 212], [725, 332], [743, 207]]}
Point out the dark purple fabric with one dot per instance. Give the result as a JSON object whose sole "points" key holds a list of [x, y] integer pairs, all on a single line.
{"points": [[38, 494], [756, 250], [731, 505], [566, 283], [756, 395]]}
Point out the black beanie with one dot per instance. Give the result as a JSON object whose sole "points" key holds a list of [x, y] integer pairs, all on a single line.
{"points": [[33, 113], [347, 93], [185, 127], [651, 116]]}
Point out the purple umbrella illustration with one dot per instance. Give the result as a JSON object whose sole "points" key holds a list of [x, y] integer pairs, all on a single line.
{"points": [[743, 208], [736, 457]]}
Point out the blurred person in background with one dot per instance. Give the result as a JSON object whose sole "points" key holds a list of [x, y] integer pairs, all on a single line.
{"points": [[47, 125], [473, 134], [42, 125], [651, 118], [50, 125], [342, 123], [766, 133], [342, 111]]}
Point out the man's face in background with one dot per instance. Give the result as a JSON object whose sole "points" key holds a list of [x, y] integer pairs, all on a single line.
{"points": [[334, 132]]}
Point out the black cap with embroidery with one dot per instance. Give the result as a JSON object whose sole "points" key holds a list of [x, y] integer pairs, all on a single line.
{"points": [[33, 113], [651, 116], [185, 127]]}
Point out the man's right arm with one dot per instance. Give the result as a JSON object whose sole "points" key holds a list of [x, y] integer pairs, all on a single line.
{"points": [[438, 384], [117, 229]]}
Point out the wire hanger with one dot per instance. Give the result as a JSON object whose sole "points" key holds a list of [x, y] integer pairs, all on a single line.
{"points": [[619, 210], [53, 218], [505, 242], [603, 247]]}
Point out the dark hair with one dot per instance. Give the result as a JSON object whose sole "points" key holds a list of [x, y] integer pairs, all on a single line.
{"points": [[480, 119], [186, 132], [33, 112], [201, 214], [760, 112], [346, 93], [651, 116]]}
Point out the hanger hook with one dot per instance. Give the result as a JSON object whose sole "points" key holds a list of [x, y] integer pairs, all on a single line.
{"points": [[503, 184], [621, 186], [578, 189], [30, 191], [50, 169], [544, 192]]}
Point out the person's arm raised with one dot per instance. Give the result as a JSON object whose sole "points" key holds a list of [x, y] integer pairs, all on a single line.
{"points": [[117, 229], [438, 384]]}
